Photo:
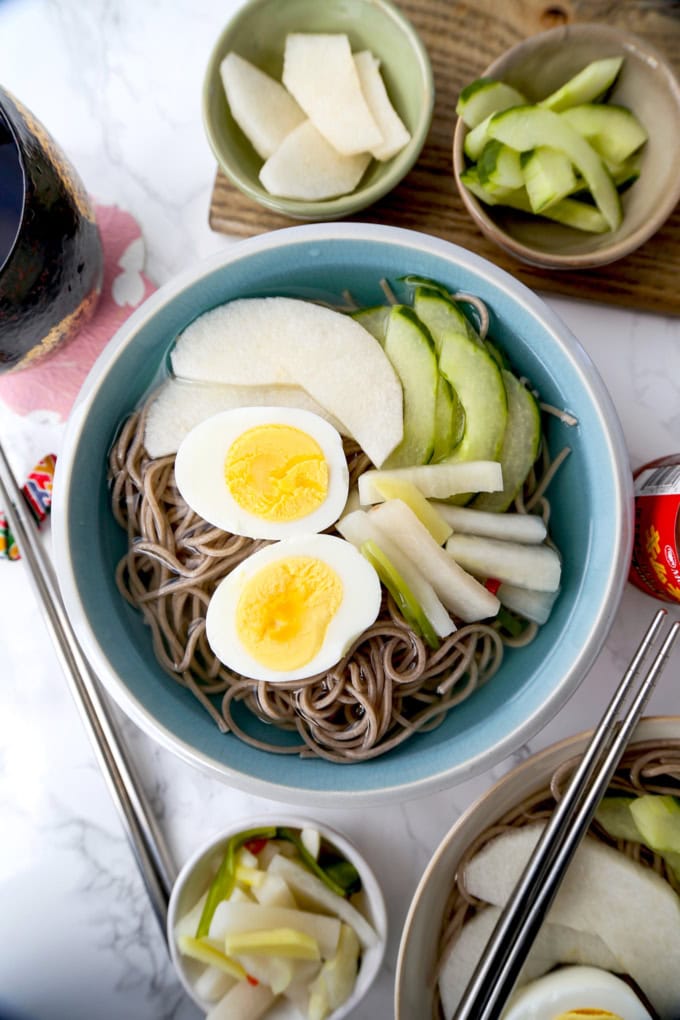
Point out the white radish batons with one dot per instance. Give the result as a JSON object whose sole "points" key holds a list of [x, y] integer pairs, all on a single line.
{"points": [[528, 566], [180, 405], [237, 918], [319, 72], [263, 109], [633, 910], [458, 590], [359, 527], [511, 527], [533, 605], [395, 135], [285, 341], [306, 167], [436, 481], [243, 1002], [307, 886]]}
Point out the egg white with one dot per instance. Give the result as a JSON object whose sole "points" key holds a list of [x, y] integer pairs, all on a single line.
{"points": [[199, 471], [572, 988], [358, 609]]}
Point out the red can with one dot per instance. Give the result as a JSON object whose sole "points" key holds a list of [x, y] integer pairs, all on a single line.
{"points": [[655, 566]]}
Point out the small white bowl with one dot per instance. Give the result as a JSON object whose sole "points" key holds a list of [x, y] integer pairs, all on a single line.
{"points": [[198, 871]]}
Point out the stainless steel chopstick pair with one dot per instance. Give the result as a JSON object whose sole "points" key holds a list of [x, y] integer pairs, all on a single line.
{"points": [[491, 984], [145, 838]]}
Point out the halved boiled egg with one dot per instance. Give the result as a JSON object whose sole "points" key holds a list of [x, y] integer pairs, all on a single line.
{"points": [[576, 993], [292, 609], [264, 472]]}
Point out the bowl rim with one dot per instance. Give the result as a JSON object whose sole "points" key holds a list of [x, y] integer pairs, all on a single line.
{"points": [[622, 516], [560, 746], [361, 197], [606, 254], [374, 895]]}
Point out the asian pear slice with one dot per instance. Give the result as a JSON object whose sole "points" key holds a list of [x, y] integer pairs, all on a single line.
{"points": [[555, 944], [394, 132], [319, 72], [261, 107], [284, 341], [633, 910], [306, 167], [180, 405]]}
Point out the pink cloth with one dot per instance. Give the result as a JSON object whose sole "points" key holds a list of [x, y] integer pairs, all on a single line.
{"points": [[52, 384]]}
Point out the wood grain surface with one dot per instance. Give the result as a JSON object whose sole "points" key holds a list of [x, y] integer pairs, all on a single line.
{"points": [[462, 39]]}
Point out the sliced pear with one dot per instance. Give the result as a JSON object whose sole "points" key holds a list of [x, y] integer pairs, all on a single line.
{"points": [[179, 405], [263, 109], [435, 481], [307, 167], [394, 131], [409, 347], [284, 341], [633, 910], [237, 918], [320, 73], [426, 512]]}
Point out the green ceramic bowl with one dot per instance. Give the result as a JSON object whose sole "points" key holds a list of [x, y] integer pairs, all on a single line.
{"points": [[258, 33]]}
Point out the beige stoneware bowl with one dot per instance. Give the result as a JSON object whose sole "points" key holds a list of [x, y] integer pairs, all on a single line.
{"points": [[415, 989], [646, 85]]}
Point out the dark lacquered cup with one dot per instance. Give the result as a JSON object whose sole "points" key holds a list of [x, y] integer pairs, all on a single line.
{"points": [[50, 251]]}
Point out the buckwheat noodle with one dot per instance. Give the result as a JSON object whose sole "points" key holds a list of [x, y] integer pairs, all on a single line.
{"points": [[645, 768], [390, 684]]}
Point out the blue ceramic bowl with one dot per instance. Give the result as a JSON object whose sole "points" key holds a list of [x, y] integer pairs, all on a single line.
{"points": [[591, 521]]}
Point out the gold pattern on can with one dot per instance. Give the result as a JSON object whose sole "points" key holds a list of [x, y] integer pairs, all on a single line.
{"points": [[61, 332]]}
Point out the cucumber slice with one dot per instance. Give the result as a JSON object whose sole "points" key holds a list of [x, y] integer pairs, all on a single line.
{"points": [[484, 96], [411, 352], [474, 375], [374, 320], [476, 139], [526, 127], [657, 818], [548, 177], [613, 131], [443, 314], [521, 440], [568, 211], [499, 167], [591, 83], [449, 420]]}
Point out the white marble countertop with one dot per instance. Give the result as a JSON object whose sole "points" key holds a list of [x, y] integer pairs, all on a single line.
{"points": [[118, 84]]}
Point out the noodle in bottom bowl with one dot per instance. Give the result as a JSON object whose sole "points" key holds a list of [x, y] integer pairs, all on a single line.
{"points": [[591, 524]]}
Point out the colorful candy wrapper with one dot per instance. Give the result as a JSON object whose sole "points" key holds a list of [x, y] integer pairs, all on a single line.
{"points": [[38, 487], [38, 495], [8, 547]]}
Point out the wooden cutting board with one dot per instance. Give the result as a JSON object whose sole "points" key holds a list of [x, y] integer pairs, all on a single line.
{"points": [[462, 39]]}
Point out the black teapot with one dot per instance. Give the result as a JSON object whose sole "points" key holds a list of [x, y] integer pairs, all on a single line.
{"points": [[51, 260]]}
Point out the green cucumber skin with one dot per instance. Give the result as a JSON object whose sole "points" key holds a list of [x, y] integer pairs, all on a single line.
{"points": [[548, 177], [483, 97], [614, 132], [521, 442], [593, 82], [476, 378], [527, 127], [410, 349]]}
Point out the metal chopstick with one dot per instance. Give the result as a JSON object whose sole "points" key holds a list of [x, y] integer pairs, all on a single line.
{"points": [[491, 985], [141, 828]]}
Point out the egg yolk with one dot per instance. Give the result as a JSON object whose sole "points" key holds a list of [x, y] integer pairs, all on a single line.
{"points": [[284, 611], [276, 472], [589, 1014]]}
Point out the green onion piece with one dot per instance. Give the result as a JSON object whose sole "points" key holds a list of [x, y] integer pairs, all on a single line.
{"points": [[511, 623], [405, 600], [344, 874], [325, 874], [223, 883]]}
